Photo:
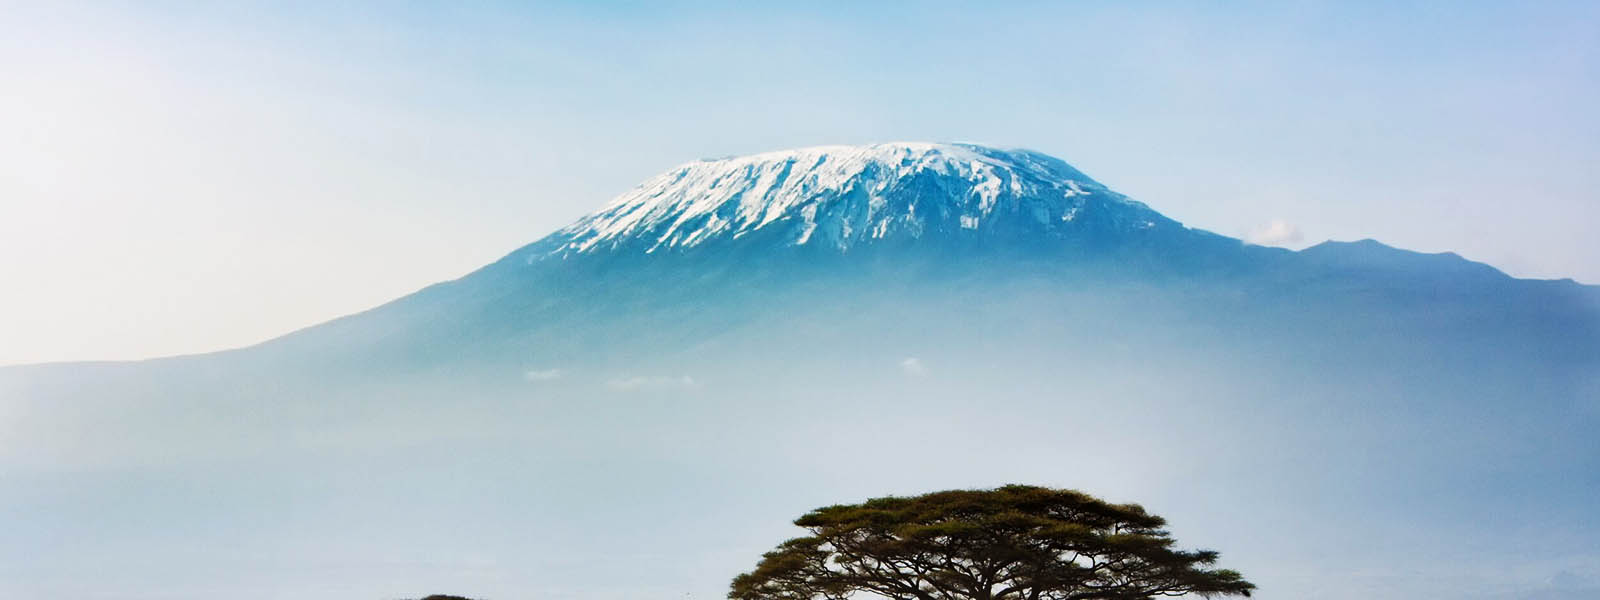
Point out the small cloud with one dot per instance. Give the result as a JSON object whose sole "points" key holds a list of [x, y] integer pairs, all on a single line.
{"points": [[542, 374], [1276, 232], [628, 384], [913, 366]]}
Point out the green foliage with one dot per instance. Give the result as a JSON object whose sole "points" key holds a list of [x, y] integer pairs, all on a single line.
{"points": [[1012, 543]]}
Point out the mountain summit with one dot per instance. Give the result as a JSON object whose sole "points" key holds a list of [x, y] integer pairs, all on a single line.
{"points": [[839, 197]]}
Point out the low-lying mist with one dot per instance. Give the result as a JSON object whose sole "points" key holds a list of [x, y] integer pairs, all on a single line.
{"points": [[1330, 445]]}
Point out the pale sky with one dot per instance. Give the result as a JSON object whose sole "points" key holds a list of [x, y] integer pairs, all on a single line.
{"points": [[178, 178]]}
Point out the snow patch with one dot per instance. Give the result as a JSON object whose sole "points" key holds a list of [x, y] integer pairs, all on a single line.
{"points": [[843, 195]]}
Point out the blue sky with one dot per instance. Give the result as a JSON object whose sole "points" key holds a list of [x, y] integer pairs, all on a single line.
{"points": [[182, 178]]}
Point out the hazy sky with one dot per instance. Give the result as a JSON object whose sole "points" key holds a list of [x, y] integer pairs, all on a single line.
{"points": [[180, 178]]}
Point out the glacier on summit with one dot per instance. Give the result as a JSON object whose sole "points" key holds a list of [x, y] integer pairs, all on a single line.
{"points": [[842, 196]]}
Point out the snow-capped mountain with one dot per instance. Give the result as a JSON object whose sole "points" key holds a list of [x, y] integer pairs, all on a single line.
{"points": [[839, 197], [735, 341]]}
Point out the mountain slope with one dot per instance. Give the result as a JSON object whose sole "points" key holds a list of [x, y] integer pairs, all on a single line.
{"points": [[707, 246], [636, 405]]}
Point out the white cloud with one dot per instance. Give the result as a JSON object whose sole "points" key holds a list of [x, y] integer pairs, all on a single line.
{"points": [[542, 374], [1276, 232], [628, 384], [913, 366]]}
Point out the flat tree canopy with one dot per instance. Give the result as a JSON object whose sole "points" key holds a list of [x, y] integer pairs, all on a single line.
{"points": [[1012, 543]]}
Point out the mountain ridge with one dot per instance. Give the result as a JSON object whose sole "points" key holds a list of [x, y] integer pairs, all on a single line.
{"points": [[1001, 179], [842, 196], [1352, 389]]}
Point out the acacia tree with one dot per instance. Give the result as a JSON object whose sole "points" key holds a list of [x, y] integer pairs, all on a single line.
{"points": [[1012, 543]]}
